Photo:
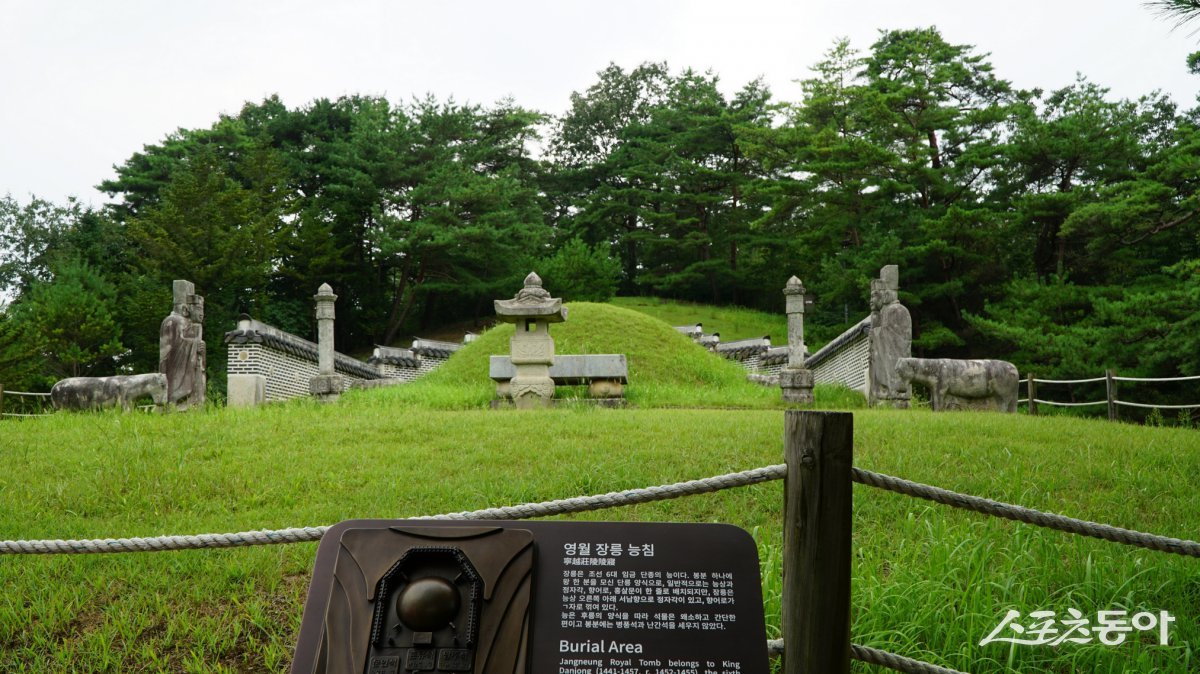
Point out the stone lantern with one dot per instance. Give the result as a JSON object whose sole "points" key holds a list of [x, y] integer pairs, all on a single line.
{"points": [[531, 311], [795, 380]]}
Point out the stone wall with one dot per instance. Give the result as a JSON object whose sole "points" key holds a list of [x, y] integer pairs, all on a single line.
{"points": [[423, 357], [748, 352], [286, 363], [846, 359], [267, 364]]}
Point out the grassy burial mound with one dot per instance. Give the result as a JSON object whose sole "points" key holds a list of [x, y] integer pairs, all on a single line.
{"points": [[665, 367]]}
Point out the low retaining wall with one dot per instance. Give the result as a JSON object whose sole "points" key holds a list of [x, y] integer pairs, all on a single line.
{"points": [[423, 357], [267, 364], [286, 364], [846, 359]]}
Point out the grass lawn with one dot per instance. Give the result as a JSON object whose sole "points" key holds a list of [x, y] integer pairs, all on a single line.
{"points": [[732, 322], [928, 582]]}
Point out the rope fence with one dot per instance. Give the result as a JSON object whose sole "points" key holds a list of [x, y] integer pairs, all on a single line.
{"points": [[1110, 380], [659, 493], [25, 401], [307, 534], [1160, 407], [1060, 404], [1018, 513], [1157, 379]]}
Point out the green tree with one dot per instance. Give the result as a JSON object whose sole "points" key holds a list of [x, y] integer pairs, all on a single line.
{"points": [[65, 325], [1139, 315], [207, 227], [826, 209], [1062, 153], [891, 158], [462, 219], [1181, 12], [581, 273], [595, 194], [654, 167], [32, 238]]}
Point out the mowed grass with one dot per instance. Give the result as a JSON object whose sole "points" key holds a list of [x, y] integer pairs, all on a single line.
{"points": [[732, 323], [928, 581]]}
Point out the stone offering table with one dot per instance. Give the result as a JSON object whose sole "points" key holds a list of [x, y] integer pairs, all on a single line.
{"points": [[605, 375]]}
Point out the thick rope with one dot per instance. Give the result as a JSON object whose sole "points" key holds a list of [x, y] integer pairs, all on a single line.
{"points": [[1163, 407], [1027, 515], [1070, 381], [160, 543], [1057, 404], [1157, 379], [622, 498], [876, 657], [896, 662], [300, 535]]}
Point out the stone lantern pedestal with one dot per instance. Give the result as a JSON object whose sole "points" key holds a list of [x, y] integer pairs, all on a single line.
{"points": [[531, 311], [796, 381], [328, 384]]}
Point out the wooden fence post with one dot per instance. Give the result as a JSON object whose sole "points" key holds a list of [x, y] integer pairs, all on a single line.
{"points": [[1, 400], [1031, 389], [818, 496], [1110, 391]]}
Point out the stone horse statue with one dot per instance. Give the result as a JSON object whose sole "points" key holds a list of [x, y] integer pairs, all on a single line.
{"points": [[94, 393], [963, 384]]}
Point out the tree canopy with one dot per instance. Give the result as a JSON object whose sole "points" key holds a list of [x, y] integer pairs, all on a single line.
{"points": [[1059, 229]]}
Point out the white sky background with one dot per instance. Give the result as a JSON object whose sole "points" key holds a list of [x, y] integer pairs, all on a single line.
{"points": [[83, 85]]}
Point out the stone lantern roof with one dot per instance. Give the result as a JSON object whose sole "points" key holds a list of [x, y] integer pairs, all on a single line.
{"points": [[531, 302]]}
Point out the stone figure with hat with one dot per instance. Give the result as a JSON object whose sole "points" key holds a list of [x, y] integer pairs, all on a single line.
{"points": [[181, 351]]}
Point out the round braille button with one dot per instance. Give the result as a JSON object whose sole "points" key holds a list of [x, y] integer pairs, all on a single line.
{"points": [[428, 604]]}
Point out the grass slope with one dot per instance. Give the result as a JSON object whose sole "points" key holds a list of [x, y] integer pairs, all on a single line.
{"points": [[732, 322]]}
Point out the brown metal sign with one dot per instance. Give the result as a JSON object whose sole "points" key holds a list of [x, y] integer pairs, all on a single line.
{"points": [[399, 596]]}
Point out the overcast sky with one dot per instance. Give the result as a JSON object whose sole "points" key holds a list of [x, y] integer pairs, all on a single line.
{"points": [[83, 85]]}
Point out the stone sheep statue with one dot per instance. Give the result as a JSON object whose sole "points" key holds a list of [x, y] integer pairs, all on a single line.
{"points": [[94, 393], [963, 384]]}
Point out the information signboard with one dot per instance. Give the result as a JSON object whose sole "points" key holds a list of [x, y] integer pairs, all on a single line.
{"points": [[397, 596]]}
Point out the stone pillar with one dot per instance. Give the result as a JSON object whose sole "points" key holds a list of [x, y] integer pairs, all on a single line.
{"points": [[328, 384], [531, 311], [795, 380], [891, 340]]}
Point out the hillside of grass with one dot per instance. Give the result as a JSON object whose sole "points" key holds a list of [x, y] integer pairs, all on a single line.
{"points": [[928, 581], [666, 368], [732, 323]]}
